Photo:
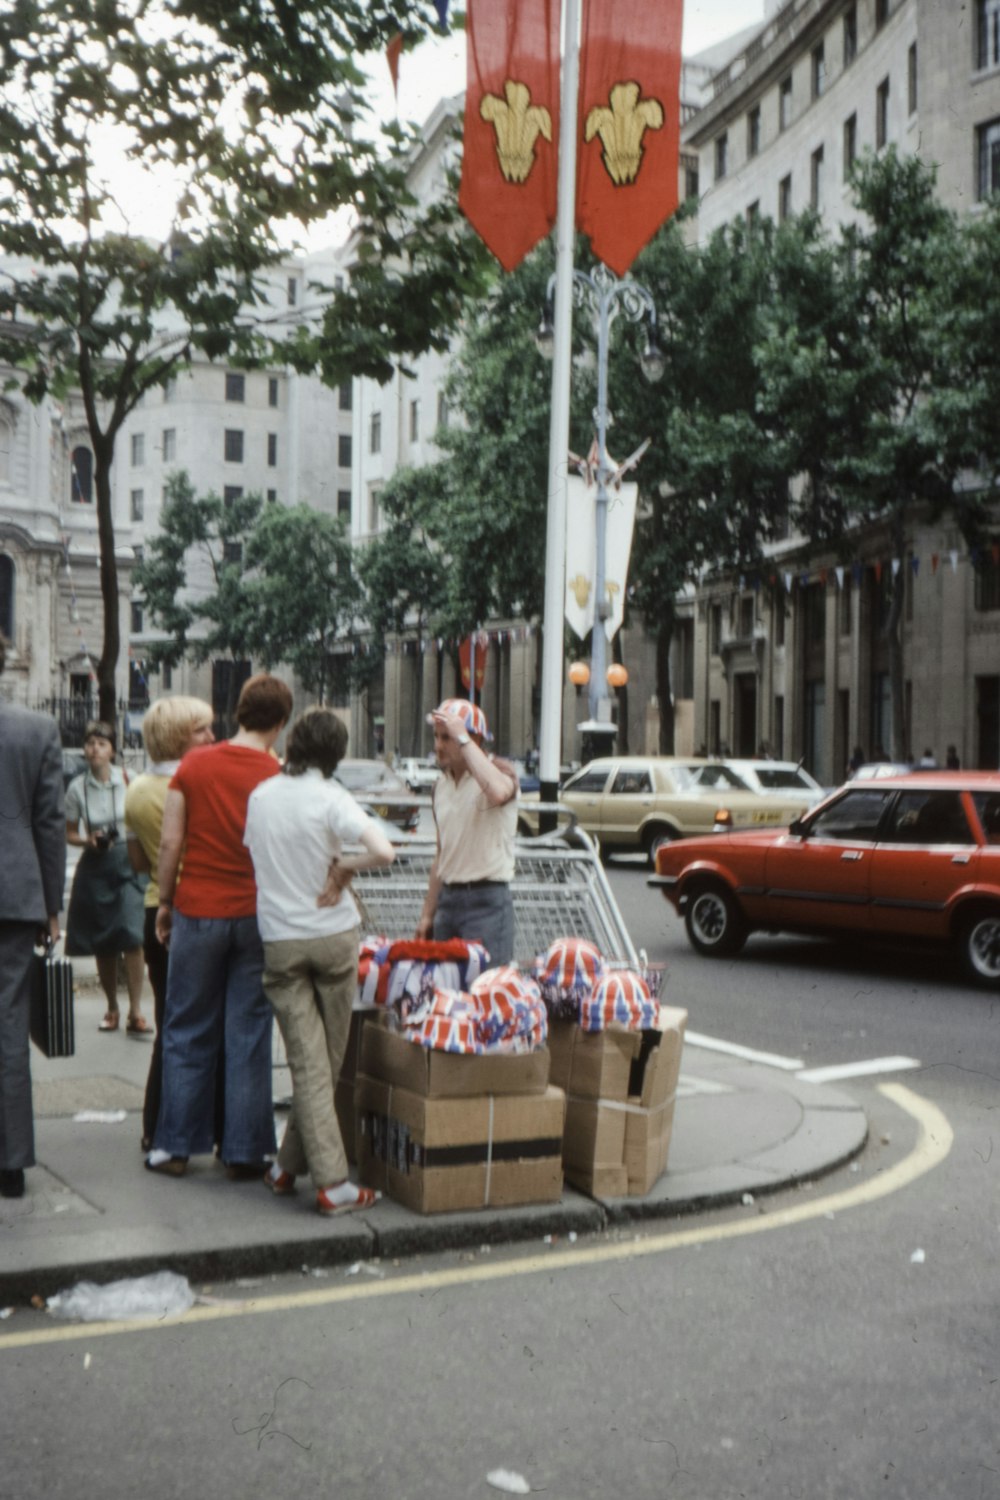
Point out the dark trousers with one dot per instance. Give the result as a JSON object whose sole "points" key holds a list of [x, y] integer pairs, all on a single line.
{"points": [[483, 914], [17, 1130], [157, 957]]}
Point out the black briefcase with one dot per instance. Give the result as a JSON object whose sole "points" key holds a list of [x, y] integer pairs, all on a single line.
{"points": [[51, 1021]]}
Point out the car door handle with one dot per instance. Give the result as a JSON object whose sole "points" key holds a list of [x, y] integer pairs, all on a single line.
{"points": [[852, 854], [960, 859]]}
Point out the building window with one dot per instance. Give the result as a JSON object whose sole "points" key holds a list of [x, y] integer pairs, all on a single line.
{"points": [[753, 215], [272, 390], [818, 70], [233, 447], [785, 103], [344, 504], [816, 178], [414, 420], [779, 725], [882, 114], [345, 396], [272, 450], [443, 414], [232, 552], [850, 144], [138, 449], [746, 617], [987, 585], [988, 153], [272, 497], [136, 624], [844, 613], [7, 595], [81, 476], [721, 155], [344, 450], [988, 33], [236, 387], [136, 505], [292, 290], [232, 493], [911, 79], [850, 35], [715, 629], [753, 131], [170, 391], [374, 507], [375, 432], [881, 13], [785, 199], [691, 179], [169, 444]]}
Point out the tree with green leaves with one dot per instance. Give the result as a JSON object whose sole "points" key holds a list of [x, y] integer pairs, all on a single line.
{"points": [[255, 119]]}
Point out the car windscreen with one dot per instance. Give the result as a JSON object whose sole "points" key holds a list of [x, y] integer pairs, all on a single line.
{"points": [[987, 805], [776, 779], [855, 816], [368, 777]]}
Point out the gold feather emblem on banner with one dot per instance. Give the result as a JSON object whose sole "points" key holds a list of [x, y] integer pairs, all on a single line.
{"points": [[621, 129], [580, 589], [518, 123]]}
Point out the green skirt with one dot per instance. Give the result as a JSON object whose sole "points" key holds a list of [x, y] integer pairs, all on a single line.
{"points": [[106, 904]]}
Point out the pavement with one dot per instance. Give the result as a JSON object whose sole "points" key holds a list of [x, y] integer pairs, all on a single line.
{"points": [[92, 1213]]}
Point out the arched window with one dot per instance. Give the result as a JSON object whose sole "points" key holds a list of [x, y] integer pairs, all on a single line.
{"points": [[81, 484], [7, 595]]}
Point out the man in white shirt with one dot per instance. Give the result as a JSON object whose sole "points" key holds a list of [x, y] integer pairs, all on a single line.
{"points": [[297, 827], [475, 810]]}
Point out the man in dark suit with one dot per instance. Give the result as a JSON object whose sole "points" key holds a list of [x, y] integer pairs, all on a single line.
{"points": [[32, 879]]}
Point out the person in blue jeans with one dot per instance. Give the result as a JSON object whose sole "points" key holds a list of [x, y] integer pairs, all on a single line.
{"points": [[215, 1003]]}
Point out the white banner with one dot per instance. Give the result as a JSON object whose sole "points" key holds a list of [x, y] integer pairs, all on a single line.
{"points": [[581, 549]]}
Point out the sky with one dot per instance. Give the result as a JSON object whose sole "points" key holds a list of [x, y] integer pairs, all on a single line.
{"points": [[434, 71]]}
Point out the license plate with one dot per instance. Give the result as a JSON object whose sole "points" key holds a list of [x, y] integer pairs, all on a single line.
{"points": [[766, 817]]}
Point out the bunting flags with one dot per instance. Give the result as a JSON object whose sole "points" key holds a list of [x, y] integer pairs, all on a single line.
{"points": [[629, 123], [510, 160]]}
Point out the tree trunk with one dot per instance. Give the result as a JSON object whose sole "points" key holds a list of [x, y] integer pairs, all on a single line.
{"points": [[664, 689], [111, 647]]}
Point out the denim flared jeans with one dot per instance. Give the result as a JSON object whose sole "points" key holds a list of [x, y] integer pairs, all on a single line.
{"points": [[216, 1003]]}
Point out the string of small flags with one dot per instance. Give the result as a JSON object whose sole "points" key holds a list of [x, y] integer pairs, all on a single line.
{"points": [[854, 572], [516, 635]]}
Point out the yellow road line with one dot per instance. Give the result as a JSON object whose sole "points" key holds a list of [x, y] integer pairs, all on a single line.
{"points": [[934, 1142]]}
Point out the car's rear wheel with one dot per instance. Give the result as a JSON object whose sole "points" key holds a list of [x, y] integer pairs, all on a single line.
{"points": [[979, 942], [714, 922], [653, 839]]}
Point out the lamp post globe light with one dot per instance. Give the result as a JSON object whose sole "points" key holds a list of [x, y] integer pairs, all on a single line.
{"points": [[605, 296]]}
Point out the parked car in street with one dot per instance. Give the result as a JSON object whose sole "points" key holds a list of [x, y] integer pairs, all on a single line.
{"points": [[638, 802], [777, 778], [914, 857], [377, 786], [419, 775], [878, 770]]}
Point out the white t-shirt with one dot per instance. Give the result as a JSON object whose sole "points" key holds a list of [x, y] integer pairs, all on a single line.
{"points": [[295, 826]]}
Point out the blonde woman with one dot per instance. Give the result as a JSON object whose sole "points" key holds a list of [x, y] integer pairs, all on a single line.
{"points": [[171, 727]]}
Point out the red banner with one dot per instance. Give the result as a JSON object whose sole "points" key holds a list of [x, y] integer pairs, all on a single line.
{"points": [[510, 159], [481, 643], [630, 69]]}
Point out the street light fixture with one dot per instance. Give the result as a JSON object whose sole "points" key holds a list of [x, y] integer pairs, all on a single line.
{"points": [[604, 295]]}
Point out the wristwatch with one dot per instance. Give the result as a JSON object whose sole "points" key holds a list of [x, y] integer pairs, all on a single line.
{"points": [[461, 739]]}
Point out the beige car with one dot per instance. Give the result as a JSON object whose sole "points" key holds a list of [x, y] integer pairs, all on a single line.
{"points": [[637, 802]]}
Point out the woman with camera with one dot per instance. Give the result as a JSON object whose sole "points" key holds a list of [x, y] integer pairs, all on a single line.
{"points": [[105, 915]]}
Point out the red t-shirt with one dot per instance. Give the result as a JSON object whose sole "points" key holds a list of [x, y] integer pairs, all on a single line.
{"points": [[216, 878]]}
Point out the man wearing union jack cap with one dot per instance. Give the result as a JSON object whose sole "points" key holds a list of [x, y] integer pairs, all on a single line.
{"points": [[475, 812]]}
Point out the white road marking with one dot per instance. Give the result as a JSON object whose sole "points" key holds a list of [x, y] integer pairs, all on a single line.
{"points": [[733, 1049], [858, 1069], [934, 1141]]}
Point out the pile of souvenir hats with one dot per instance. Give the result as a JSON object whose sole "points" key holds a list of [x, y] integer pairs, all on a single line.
{"points": [[503, 1012], [405, 974], [577, 985]]}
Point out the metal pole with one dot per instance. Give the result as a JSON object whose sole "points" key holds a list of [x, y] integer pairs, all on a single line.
{"points": [[550, 739], [598, 639]]}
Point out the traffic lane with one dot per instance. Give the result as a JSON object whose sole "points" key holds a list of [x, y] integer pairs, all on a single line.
{"points": [[825, 1002], [823, 1358]]}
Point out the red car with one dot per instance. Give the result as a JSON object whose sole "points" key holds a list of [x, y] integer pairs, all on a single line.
{"points": [[907, 857]]}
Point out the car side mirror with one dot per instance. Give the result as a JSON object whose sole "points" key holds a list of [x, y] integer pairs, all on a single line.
{"points": [[799, 828]]}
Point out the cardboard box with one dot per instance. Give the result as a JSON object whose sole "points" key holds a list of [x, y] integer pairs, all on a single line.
{"points": [[343, 1103], [618, 1148], [390, 1057], [592, 1065], [438, 1155], [351, 1066]]}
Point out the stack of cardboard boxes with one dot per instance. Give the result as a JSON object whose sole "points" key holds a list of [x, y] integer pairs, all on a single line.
{"points": [[439, 1131], [621, 1088]]}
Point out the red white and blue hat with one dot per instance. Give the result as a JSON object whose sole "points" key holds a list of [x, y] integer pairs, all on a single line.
{"points": [[470, 714]]}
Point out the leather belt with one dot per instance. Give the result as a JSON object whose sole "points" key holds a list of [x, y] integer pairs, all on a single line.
{"points": [[471, 885]]}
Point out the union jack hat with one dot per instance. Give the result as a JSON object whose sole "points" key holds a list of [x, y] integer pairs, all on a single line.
{"points": [[470, 714], [620, 997]]}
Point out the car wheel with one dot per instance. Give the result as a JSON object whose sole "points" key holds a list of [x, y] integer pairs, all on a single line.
{"points": [[655, 837], [980, 946], [714, 922]]}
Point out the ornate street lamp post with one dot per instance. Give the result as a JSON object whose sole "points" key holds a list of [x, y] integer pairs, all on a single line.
{"points": [[605, 296]]}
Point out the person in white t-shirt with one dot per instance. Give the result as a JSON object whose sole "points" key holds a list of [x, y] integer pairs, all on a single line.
{"points": [[297, 827]]}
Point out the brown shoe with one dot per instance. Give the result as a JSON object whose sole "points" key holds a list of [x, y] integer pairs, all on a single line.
{"points": [[174, 1166], [245, 1171]]}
